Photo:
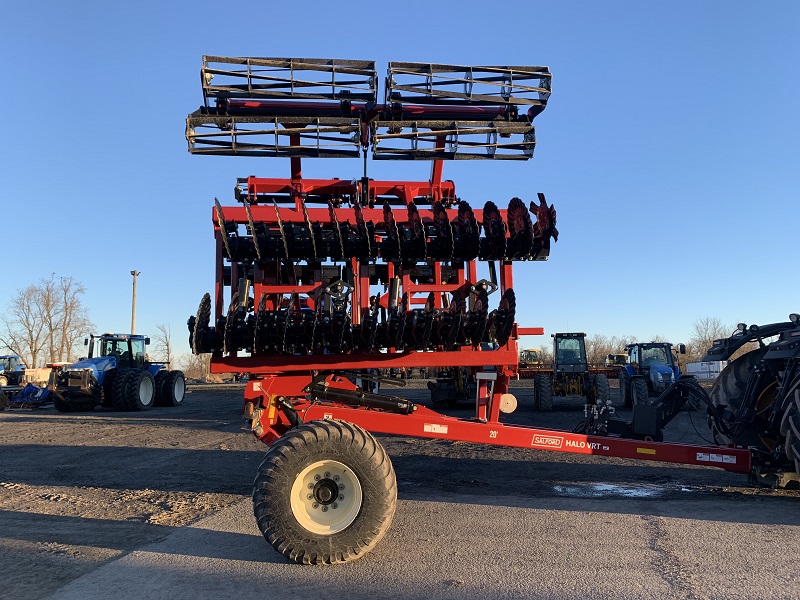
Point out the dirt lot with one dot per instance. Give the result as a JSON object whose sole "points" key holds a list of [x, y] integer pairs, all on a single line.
{"points": [[79, 490]]}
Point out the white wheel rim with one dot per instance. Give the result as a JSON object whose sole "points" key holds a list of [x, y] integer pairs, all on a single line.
{"points": [[180, 389], [326, 497], [146, 391]]}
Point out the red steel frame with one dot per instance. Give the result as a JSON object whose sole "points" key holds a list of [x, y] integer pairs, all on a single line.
{"points": [[280, 381]]}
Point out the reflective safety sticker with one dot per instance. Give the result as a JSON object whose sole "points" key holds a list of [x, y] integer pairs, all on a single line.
{"points": [[727, 459], [434, 428]]}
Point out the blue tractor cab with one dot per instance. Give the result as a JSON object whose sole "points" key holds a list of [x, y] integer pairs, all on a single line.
{"points": [[12, 370], [649, 370]]}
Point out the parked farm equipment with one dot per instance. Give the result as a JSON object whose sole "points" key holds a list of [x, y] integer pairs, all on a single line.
{"points": [[118, 374], [571, 376], [324, 283], [649, 370], [12, 370]]}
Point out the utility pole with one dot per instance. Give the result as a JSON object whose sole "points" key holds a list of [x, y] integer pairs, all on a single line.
{"points": [[133, 304]]}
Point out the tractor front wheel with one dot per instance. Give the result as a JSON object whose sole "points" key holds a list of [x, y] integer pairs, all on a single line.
{"points": [[139, 390], [325, 493], [625, 388], [639, 392], [118, 388], [602, 389], [159, 379], [62, 406], [543, 393]]}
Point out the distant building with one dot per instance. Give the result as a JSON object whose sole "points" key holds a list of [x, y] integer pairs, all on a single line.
{"points": [[708, 369]]}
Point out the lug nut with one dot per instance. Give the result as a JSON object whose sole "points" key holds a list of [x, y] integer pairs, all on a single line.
{"points": [[310, 496], [335, 505], [311, 486], [317, 478], [315, 505], [341, 486], [336, 478], [324, 509], [327, 475], [341, 497]]}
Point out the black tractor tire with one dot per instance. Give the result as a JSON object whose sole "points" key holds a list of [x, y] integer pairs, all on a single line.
{"points": [[108, 388], [74, 403], [790, 424], [639, 391], [325, 493], [543, 393], [62, 406], [173, 389], [159, 383], [602, 389], [118, 388], [727, 395], [625, 388], [140, 390]]}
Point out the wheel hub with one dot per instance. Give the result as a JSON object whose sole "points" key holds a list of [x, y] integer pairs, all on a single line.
{"points": [[326, 491], [326, 497]]}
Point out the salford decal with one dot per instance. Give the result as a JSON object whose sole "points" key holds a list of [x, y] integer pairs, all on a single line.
{"points": [[547, 441]]}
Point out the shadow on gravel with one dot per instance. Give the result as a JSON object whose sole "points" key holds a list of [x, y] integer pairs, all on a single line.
{"points": [[132, 468], [128, 536], [663, 490], [80, 531]]}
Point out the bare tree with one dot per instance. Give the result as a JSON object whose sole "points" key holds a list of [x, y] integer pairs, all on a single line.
{"points": [[25, 332], [72, 318], [597, 346], [704, 332], [546, 355], [195, 366], [45, 322], [163, 344]]}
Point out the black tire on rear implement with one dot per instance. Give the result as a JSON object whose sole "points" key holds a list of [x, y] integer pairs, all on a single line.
{"points": [[325, 493]]}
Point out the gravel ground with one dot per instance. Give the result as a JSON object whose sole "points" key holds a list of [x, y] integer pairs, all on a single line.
{"points": [[80, 490]]}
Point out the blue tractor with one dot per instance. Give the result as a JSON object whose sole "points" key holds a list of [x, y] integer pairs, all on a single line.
{"points": [[649, 370], [12, 370], [117, 373]]}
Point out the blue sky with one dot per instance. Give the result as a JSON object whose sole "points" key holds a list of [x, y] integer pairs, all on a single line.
{"points": [[669, 148]]}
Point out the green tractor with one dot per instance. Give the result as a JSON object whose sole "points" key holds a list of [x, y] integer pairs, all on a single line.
{"points": [[570, 376]]}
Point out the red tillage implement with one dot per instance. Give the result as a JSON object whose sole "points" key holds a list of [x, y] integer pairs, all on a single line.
{"points": [[329, 282]]}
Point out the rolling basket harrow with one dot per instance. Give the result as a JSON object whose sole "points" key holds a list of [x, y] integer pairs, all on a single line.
{"points": [[322, 284]]}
